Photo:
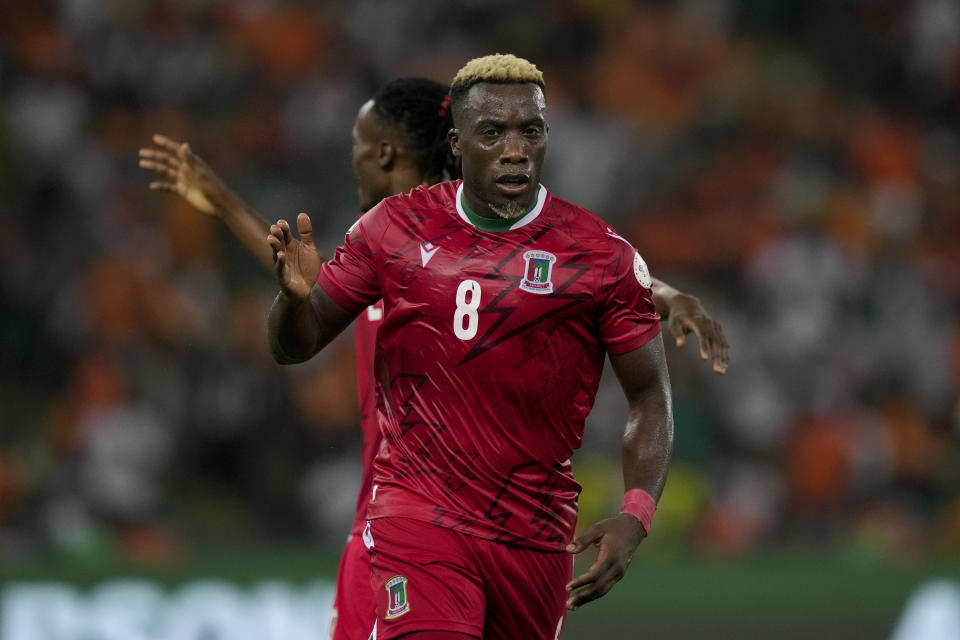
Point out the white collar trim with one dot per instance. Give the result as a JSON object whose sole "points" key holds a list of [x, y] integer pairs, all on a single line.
{"points": [[522, 222]]}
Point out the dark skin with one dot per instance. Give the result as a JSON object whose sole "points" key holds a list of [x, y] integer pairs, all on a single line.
{"points": [[500, 131], [505, 128], [500, 137], [186, 174], [383, 166], [382, 162], [645, 455], [684, 314], [303, 318]]}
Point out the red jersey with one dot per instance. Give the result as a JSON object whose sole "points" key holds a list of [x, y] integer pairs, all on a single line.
{"points": [[489, 355], [365, 328]]}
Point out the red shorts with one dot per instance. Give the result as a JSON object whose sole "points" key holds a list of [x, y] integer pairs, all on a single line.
{"points": [[430, 578], [354, 613]]}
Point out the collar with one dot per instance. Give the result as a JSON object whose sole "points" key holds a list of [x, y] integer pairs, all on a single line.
{"points": [[499, 225]]}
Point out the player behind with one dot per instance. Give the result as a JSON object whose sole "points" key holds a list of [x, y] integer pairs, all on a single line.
{"points": [[500, 303], [399, 142]]}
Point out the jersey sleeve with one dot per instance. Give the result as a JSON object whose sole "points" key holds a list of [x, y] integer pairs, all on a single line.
{"points": [[352, 278], [628, 317]]}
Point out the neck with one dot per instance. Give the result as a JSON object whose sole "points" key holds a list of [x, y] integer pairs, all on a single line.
{"points": [[403, 180], [478, 207]]}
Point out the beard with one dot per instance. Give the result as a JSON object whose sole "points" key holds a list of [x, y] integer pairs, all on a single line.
{"points": [[509, 211]]}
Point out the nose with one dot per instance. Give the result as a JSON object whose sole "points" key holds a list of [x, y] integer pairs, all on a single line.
{"points": [[514, 149]]}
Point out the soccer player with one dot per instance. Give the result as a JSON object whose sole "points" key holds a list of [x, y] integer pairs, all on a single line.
{"points": [[399, 143], [500, 304]]}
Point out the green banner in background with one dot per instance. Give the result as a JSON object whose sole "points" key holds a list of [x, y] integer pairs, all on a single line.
{"points": [[141, 609], [287, 593]]}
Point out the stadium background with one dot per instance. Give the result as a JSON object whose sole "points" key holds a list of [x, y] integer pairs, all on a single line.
{"points": [[795, 164]]}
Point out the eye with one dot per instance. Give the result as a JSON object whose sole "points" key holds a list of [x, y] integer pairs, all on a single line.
{"points": [[533, 132]]}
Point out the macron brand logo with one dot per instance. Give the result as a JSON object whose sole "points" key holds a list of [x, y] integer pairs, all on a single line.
{"points": [[427, 249], [614, 234]]}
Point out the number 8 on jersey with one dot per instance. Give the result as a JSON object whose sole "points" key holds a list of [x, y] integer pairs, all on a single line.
{"points": [[465, 318]]}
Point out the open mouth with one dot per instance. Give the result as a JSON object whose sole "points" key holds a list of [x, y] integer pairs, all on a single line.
{"points": [[513, 183]]}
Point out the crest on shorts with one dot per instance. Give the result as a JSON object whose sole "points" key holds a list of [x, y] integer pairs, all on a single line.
{"points": [[397, 603], [537, 272]]}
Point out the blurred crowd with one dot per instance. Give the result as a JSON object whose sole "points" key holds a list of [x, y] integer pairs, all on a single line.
{"points": [[796, 164]]}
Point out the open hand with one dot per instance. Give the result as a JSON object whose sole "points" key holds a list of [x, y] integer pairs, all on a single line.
{"points": [[687, 315], [617, 538], [296, 262], [184, 173]]}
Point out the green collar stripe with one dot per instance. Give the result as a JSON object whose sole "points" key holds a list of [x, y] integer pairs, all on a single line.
{"points": [[499, 225]]}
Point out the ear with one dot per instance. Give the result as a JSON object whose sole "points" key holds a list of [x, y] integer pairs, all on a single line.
{"points": [[454, 138], [386, 154]]}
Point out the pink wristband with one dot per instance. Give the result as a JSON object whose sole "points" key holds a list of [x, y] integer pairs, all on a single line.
{"points": [[640, 505]]}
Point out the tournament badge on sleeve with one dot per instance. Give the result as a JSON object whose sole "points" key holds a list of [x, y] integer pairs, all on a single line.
{"points": [[641, 271], [397, 597], [537, 270]]}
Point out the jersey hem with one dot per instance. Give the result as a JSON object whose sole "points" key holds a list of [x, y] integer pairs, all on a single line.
{"points": [[633, 343], [412, 513], [332, 289], [385, 632]]}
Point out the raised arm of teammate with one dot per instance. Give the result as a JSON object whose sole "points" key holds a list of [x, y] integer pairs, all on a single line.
{"points": [[185, 173], [303, 318], [685, 314], [645, 449]]}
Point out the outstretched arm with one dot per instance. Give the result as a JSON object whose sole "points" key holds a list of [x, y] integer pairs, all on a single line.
{"points": [[303, 318], [646, 448], [185, 173], [685, 314]]}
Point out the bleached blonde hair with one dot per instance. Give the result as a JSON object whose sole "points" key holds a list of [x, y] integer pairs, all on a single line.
{"points": [[499, 68]]}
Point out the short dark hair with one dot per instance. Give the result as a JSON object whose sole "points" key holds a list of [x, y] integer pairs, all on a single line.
{"points": [[420, 107]]}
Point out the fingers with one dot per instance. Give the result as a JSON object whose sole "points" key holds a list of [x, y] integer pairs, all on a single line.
{"points": [[159, 168], [305, 229], [605, 572], [595, 570], [720, 350], [156, 154], [593, 534], [163, 186], [701, 340], [682, 325], [159, 161], [678, 329], [174, 152], [280, 240], [279, 235], [275, 240], [711, 342], [166, 143], [285, 233]]}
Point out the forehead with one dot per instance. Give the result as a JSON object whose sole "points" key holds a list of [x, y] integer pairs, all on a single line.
{"points": [[365, 121], [504, 101]]}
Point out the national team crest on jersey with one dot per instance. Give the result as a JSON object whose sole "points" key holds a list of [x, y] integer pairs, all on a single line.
{"points": [[397, 597], [537, 272]]}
